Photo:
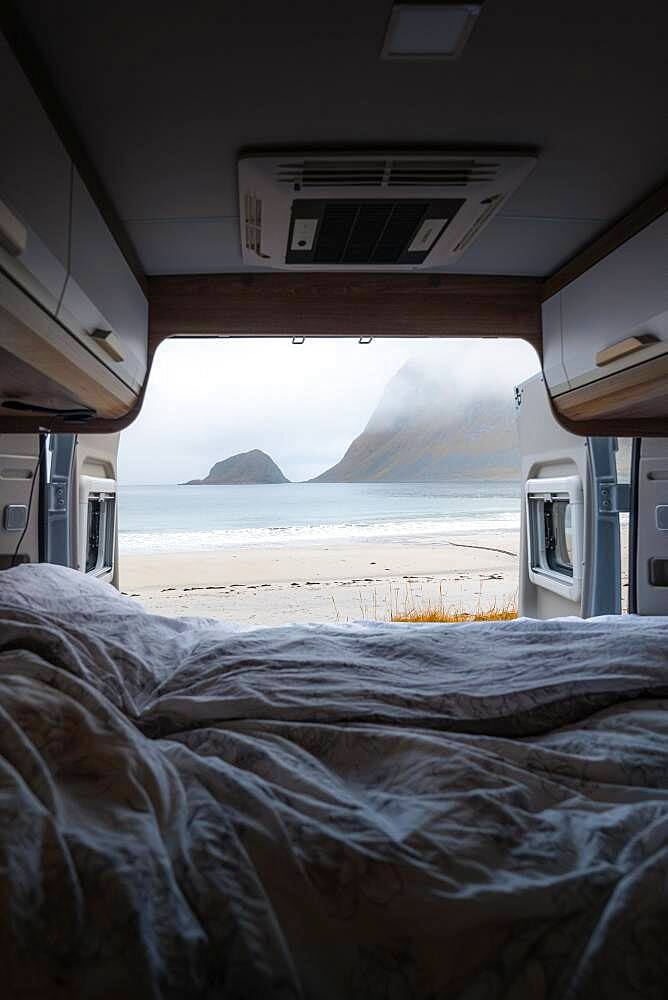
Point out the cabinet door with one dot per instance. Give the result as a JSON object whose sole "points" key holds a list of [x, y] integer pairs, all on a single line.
{"points": [[35, 181], [102, 293], [624, 296]]}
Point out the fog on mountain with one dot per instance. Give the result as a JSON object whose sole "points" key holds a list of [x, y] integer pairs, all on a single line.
{"points": [[435, 424]]}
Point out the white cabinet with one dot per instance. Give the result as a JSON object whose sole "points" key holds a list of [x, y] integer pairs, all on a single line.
{"points": [[42, 363], [553, 361], [102, 294], [624, 296], [55, 245], [35, 180]]}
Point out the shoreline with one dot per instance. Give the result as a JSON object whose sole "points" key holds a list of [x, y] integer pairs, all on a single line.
{"points": [[326, 582]]}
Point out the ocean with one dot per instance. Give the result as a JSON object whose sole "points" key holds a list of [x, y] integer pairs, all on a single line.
{"points": [[203, 518]]}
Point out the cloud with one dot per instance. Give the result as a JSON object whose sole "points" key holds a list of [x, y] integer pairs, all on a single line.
{"points": [[302, 404]]}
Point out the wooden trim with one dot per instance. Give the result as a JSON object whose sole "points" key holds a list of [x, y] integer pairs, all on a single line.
{"points": [[35, 68], [638, 396], [317, 304], [620, 426], [642, 215], [624, 348], [362, 304]]}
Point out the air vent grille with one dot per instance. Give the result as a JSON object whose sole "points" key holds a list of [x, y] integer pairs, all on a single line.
{"points": [[493, 203], [253, 223], [366, 232], [442, 173], [371, 220], [398, 232]]}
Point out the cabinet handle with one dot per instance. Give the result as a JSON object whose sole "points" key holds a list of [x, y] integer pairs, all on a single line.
{"points": [[624, 347], [109, 343], [13, 234]]}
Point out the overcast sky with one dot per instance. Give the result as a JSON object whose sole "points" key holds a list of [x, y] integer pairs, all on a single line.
{"points": [[302, 404]]}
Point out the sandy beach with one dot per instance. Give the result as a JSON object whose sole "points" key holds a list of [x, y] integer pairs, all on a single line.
{"points": [[341, 582]]}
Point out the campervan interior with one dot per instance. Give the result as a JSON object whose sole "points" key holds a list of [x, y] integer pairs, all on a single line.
{"points": [[193, 809]]}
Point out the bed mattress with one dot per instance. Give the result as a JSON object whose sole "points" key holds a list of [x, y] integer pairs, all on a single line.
{"points": [[366, 811]]}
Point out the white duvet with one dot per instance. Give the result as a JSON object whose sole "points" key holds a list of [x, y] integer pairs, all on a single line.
{"points": [[375, 811]]}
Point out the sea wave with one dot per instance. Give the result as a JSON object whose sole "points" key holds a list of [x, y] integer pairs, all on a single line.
{"points": [[314, 534]]}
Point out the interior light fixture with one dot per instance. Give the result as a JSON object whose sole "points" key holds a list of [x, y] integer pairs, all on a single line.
{"points": [[429, 30]]}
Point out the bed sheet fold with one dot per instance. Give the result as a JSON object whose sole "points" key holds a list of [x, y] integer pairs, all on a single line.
{"points": [[371, 811]]}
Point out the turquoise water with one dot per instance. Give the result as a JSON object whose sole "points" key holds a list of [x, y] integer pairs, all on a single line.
{"points": [[200, 518]]}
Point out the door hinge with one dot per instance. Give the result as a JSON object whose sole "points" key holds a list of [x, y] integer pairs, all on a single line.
{"points": [[614, 498]]}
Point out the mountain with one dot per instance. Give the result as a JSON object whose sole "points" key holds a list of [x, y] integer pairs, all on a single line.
{"points": [[249, 467], [425, 429]]}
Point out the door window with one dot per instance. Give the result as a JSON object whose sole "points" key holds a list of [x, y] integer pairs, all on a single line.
{"points": [[100, 533], [558, 515], [555, 534]]}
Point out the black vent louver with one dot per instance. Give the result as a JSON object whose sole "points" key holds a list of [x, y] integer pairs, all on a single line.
{"points": [[447, 173], [361, 233], [335, 231], [401, 227], [389, 173], [370, 223], [379, 232]]}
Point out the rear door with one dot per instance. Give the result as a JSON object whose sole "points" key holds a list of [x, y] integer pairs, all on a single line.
{"points": [[648, 543], [82, 527], [570, 552]]}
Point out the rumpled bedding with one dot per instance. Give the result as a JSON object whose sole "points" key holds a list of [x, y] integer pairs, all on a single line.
{"points": [[363, 811]]}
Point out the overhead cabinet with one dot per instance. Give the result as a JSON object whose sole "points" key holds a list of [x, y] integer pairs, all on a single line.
{"points": [[606, 333], [103, 304], [41, 364], [35, 180], [624, 297], [71, 308]]}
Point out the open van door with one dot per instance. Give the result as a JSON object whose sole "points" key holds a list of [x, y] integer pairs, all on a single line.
{"points": [[82, 522], [570, 551], [648, 541]]}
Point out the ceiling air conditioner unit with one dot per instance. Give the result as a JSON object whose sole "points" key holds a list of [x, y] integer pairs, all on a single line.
{"points": [[371, 212]]}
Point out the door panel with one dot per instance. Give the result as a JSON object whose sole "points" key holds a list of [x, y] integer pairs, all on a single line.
{"points": [[570, 561], [609, 497], [549, 453], [95, 462], [60, 538], [82, 519], [648, 583], [19, 475]]}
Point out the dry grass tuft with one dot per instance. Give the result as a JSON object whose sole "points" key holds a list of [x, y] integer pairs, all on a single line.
{"points": [[443, 611], [451, 615]]}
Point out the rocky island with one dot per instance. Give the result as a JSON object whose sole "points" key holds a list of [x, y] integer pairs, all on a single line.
{"points": [[247, 468]]}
